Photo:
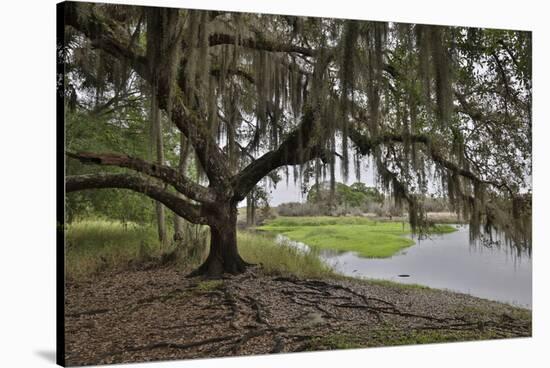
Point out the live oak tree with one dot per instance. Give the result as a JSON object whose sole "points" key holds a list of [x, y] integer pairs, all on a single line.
{"points": [[434, 108]]}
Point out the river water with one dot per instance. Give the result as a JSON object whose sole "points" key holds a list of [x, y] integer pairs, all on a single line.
{"points": [[445, 261]]}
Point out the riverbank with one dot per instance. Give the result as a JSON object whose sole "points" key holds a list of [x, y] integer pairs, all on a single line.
{"points": [[158, 314], [131, 305]]}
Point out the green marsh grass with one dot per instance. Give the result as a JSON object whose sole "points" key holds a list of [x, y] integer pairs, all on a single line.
{"points": [[367, 237]]}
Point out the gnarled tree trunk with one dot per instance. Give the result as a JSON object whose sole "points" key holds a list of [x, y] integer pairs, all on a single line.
{"points": [[223, 256]]}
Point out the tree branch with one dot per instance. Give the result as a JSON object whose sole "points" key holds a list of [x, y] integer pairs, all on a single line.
{"points": [[183, 208], [217, 72], [104, 34], [259, 43], [300, 146], [211, 157], [167, 174]]}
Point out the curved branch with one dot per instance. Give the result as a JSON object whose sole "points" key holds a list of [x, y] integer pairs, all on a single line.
{"points": [[298, 148], [190, 212], [167, 174], [217, 72], [209, 154], [259, 43]]}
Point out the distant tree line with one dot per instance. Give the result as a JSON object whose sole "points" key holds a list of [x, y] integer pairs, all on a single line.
{"points": [[321, 200], [355, 199]]}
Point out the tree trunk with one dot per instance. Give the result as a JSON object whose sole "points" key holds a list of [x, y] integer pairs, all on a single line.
{"points": [[179, 222], [158, 144], [178, 228], [223, 256], [161, 222]]}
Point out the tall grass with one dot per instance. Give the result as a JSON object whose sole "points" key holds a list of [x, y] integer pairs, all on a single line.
{"points": [[94, 246], [280, 258]]}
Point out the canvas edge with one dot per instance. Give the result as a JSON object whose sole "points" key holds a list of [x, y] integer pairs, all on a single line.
{"points": [[60, 189]]}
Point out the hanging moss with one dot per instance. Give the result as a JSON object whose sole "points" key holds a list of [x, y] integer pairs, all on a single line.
{"points": [[203, 59], [373, 79], [261, 71], [434, 64], [192, 37], [375, 37], [347, 81], [423, 42], [441, 62]]}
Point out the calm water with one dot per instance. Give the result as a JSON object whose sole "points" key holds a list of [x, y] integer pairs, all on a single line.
{"points": [[446, 262]]}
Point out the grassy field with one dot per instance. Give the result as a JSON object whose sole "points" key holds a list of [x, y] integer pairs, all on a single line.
{"points": [[96, 245], [369, 238]]}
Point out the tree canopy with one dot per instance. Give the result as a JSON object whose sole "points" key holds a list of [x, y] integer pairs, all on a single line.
{"points": [[435, 108]]}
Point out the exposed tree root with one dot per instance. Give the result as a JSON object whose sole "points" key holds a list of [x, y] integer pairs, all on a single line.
{"points": [[367, 302], [244, 339], [215, 268], [170, 345], [251, 314], [278, 346], [87, 313]]}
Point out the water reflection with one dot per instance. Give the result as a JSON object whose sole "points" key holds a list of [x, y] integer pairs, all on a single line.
{"points": [[446, 261]]}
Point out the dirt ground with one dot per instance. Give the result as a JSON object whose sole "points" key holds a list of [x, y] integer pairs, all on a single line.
{"points": [[158, 314]]}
